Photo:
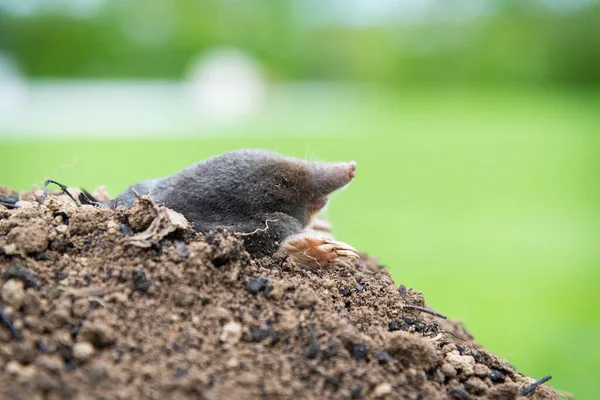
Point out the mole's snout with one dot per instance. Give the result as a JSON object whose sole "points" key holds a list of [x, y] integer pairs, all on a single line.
{"points": [[352, 167], [327, 177], [347, 171]]}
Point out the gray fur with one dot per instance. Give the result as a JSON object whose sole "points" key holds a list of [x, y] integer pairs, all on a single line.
{"points": [[243, 191]]}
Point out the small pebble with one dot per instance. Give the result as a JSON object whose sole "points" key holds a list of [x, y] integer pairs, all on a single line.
{"points": [[382, 389], [83, 351], [231, 333], [13, 293]]}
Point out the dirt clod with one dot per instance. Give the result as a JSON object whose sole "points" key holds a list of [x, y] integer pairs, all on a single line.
{"points": [[13, 293], [464, 364], [231, 333], [30, 237], [126, 304], [475, 386], [481, 370]]}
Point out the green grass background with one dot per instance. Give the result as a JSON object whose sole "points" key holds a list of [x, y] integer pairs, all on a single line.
{"points": [[486, 200]]}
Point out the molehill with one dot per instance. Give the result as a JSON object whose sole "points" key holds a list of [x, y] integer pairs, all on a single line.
{"points": [[133, 303]]}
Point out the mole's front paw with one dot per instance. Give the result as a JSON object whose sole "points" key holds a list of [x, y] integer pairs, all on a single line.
{"points": [[317, 250]]}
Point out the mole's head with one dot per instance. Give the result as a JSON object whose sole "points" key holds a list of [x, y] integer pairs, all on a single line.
{"points": [[267, 182]]}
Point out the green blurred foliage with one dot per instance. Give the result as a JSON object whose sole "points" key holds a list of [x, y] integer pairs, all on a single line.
{"points": [[517, 42]]}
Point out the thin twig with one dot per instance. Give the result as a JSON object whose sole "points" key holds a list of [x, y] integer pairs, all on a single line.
{"points": [[61, 169], [534, 385], [425, 310], [62, 187], [456, 336], [136, 194], [86, 198], [90, 291], [259, 229]]}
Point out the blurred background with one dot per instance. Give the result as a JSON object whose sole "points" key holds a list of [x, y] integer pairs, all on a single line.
{"points": [[474, 124]]}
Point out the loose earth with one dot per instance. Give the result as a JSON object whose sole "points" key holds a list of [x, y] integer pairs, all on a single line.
{"points": [[133, 303]]}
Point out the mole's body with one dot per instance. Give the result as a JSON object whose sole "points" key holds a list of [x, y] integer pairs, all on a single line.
{"points": [[269, 197]]}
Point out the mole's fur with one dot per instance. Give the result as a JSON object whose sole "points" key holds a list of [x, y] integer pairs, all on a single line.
{"points": [[247, 191]]}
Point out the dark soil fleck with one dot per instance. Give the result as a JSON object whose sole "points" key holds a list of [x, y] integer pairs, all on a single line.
{"points": [[395, 325], [383, 357], [345, 291], [140, 281], [496, 376], [359, 350], [125, 230], [23, 274], [258, 285]]}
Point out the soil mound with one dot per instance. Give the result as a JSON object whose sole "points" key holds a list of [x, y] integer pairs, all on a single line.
{"points": [[122, 304]]}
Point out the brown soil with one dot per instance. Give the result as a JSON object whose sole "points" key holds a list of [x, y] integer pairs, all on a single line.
{"points": [[129, 304]]}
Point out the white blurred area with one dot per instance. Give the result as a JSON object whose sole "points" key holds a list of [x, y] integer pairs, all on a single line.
{"points": [[13, 91], [224, 87], [225, 91]]}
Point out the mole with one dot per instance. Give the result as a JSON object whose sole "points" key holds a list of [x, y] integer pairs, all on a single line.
{"points": [[268, 199]]}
